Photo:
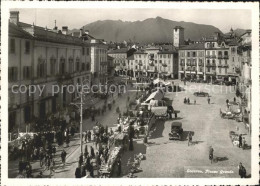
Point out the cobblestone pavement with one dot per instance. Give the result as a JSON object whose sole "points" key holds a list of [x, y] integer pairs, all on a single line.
{"points": [[166, 158]]}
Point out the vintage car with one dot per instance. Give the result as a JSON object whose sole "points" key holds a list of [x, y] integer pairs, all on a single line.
{"points": [[201, 94], [176, 131]]}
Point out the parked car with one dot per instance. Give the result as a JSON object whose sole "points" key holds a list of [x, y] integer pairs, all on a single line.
{"points": [[201, 94], [176, 131]]}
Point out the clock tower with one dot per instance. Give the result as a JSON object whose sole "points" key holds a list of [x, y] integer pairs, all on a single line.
{"points": [[178, 36]]}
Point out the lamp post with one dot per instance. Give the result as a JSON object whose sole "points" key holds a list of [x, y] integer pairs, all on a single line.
{"points": [[80, 107]]}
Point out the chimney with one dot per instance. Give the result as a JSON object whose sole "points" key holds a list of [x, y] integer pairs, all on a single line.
{"points": [[14, 17], [64, 30], [87, 32], [81, 32]]}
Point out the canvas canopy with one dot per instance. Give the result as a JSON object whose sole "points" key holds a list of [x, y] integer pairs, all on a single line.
{"points": [[157, 95]]}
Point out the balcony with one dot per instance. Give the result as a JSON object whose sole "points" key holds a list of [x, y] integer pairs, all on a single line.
{"points": [[211, 65], [225, 57], [211, 56], [220, 57], [164, 65], [140, 64], [200, 64], [225, 66]]}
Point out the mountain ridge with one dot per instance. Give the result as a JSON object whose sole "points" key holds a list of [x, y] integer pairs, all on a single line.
{"points": [[146, 31]]}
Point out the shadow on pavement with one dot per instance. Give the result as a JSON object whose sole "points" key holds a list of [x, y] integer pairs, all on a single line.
{"points": [[196, 142], [157, 129], [217, 159]]}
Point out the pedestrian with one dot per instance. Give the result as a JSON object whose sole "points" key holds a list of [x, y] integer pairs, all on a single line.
{"points": [[211, 151], [63, 157], [52, 165], [240, 141], [170, 111], [86, 136], [54, 150], [234, 99], [92, 151], [227, 101], [67, 140], [93, 116], [86, 151], [78, 172], [194, 101], [189, 138], [89, 136], [243, 143], [119, 167], [28, 170], [185, 100], [80, 159], [188, 100], [208, 100], [242, 171], [131, 145], [83, 171]]}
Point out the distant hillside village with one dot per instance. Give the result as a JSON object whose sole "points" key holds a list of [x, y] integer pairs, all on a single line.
{"points": [[39, 55]]}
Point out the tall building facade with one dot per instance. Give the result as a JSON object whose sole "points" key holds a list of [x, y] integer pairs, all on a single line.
{"points": [[47, 59], [216, 58]]}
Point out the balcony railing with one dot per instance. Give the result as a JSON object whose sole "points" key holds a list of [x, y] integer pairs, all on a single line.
{"points": [[225, 57], [182, 64], [225, 65], [211, 56], [164, 65]]}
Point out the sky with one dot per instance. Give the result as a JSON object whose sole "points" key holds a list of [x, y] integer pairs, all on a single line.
{"points": [[223, 19]]}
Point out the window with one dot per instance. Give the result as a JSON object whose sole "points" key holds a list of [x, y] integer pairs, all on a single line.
{"points": [[26, 72], [208, 53], [12, 73], [87, 67], [83, 66], [62, 66], [208, 69], [219, 70], [77, 64], [83, 51], [53, 70], [71, 65], [225, 62], [139, 56], [169, 55], [225, 70], [188, 54], [213, 53], [226, 53], [12, 45], [233, 59], [164, 55], [219, 53], [87, 51], [27, 47], [219, 61], [41, 68], [233, 50], [193, 54]]}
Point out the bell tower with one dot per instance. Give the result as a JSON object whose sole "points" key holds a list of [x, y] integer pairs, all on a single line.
{"points": [[178, 36]]}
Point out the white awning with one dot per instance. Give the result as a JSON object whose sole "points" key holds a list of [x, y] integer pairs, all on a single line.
{"points": [[157, 95]]}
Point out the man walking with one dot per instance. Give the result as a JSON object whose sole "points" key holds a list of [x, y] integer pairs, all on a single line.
{"points": [[208, 100], [189, 139], [242, 171], [240, 141], [63, 157]]}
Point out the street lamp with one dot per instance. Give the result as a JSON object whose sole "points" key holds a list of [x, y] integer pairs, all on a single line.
{"points": [[80, 107]]}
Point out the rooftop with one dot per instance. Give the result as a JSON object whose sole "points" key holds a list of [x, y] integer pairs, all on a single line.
{"points": [[196, 46], [116, 51]]}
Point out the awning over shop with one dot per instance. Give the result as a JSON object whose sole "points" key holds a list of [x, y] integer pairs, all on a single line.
{"points": [[157, 95]]}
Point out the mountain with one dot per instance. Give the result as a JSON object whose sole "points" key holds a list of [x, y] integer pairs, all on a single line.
{"points": [[239, 31], [147, 31]]}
